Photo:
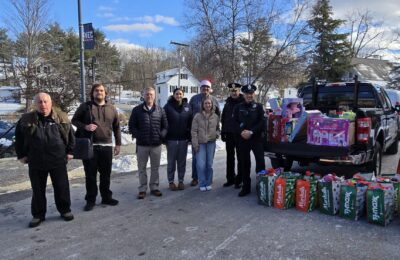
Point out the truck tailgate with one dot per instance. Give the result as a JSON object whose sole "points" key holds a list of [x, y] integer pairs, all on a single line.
{"points": [[305, 150]]}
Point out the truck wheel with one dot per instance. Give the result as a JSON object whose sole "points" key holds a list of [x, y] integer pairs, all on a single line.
{"points": [[393, 148], [376, 164]]}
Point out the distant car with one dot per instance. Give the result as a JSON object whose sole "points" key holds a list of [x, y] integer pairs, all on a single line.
{"points": [[4, 127], [394, 96]]}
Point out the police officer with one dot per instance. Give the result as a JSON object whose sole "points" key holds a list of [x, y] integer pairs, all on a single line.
{"points": [[250, 118], [230, 137]]}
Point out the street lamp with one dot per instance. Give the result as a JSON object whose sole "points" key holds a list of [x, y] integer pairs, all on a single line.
{"points": [[180, 60]]}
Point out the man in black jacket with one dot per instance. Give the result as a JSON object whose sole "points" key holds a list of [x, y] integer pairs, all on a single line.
{"points": [[250, 117], [44, 140], [148, 124], [230, 137]]}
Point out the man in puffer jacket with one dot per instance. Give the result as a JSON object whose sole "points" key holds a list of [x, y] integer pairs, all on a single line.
{"points": [[148, 124]]}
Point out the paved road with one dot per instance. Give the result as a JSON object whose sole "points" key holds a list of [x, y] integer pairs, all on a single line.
{"points": [[188, 224]]}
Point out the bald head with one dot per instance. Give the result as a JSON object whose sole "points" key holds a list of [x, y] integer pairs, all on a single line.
{"points": [[43, 103]]}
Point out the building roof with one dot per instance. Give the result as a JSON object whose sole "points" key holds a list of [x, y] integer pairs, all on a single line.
{"points": [[169, 74], [374, 70]]}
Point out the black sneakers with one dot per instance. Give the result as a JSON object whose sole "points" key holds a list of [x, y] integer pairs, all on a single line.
{"points": [[243, 193], [67, 216], [111, 202], [35, 222], [89, 206]]}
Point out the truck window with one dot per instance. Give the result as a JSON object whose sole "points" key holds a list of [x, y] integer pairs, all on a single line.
{"points": [[337, 100]]}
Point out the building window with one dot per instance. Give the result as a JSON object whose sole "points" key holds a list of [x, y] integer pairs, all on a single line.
{"points": [[185, 89], [171, 89], [194, 89], [184, 76], [38, 69]]}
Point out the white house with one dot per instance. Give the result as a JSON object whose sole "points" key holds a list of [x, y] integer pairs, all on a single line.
{"points": [[290, 93], [167, 81]]}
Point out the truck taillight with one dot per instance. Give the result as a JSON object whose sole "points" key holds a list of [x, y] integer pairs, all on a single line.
{"points": [[363, 129]]}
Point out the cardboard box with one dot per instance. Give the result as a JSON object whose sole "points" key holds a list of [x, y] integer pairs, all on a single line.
{"points": [[300, 130]]}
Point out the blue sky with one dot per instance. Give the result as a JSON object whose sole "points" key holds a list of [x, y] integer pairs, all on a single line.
{"points": [[152, 23]]}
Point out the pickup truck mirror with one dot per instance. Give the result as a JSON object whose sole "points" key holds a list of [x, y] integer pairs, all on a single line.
{"points": [[397, 108]]}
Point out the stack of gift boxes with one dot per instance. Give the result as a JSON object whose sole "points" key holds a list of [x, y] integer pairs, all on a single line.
{"points": [[289, 122], [377, 198]]}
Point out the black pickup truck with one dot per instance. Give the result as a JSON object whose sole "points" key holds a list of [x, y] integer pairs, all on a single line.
{"points": [[376, 127]]}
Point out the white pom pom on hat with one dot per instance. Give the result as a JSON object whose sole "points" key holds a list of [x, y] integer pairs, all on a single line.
{"points": [[205, 82]]}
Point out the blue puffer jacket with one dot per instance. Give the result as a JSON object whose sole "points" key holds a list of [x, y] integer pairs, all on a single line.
{"points": [[179, 119], [149, 127]]}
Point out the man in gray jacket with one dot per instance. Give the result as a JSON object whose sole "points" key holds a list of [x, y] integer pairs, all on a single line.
{"points": [[195, 104]]}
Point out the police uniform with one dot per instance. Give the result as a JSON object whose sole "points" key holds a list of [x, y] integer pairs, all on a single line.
{"points": [[230, 136], [250, 116]]}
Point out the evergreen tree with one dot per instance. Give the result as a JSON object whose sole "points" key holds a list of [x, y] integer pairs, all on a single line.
{"points": [[331, 55]]}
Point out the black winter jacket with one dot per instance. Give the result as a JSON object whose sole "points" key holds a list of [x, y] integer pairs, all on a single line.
{"points": [[250, 116], [149, 127], [229, 124], [46, 141], [179, 119]]}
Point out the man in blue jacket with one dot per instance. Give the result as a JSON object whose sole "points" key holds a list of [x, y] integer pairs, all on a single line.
{"points": [[148, 124]]}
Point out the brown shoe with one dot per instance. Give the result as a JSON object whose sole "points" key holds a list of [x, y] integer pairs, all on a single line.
{"points": [[181, 186], [156, 193], [194, 183], [141, 195], [172, 186]]}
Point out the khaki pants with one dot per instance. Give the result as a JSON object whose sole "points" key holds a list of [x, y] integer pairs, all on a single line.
{"points": [[143, 154]]}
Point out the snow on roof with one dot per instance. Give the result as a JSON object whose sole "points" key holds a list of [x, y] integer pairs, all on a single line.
{"points": [[373, 70]]}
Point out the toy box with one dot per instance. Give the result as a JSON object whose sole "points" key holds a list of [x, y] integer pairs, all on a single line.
{"points": [[330, 132], [292, 107]]}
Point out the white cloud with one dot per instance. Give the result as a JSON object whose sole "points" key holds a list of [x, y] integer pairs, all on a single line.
{"points": [[121, 19], [158, 19], [105, 8], [123, 44], [384, 10], [142, 27], [106, 15]]}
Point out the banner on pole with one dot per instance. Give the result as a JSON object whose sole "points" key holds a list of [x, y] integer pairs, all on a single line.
{"points": [[88, 36]]}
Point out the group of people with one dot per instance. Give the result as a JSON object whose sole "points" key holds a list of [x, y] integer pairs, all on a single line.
{"points": [[45, 141]]}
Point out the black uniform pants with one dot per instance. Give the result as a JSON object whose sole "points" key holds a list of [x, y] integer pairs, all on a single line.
{"points": [[101, 162], [59, 179], [231, 145], [245, 147]]}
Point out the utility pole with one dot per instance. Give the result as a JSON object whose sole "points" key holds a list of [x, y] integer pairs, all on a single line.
{"points": [[81, 54], [180, 59]]}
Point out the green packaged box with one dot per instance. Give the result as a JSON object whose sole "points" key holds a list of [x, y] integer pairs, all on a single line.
{"points": [[352, 201], [380, 206], [328, 196], [265, 189], [285, 192]]}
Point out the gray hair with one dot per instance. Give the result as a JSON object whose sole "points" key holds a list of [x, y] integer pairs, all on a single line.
{"points": [[148, 89], [36, 97]]}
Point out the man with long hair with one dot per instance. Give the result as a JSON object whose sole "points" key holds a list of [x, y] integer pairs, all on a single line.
{"points": [[98, 119]]}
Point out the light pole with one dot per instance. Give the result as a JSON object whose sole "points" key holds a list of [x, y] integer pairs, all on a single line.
{"points": [[180, 60], [81, 54]]}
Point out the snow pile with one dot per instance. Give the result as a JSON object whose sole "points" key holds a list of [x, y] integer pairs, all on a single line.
{"points": [[9, 108], [5, 142]]}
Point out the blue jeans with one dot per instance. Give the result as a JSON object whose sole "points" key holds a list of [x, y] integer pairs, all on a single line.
{"points": [[204, 163]]}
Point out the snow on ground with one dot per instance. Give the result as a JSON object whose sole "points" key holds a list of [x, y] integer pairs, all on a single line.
{"points": [[9, 108], [5, 142], [128, 163]]}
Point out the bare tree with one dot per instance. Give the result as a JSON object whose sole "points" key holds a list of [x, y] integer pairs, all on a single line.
{"points": [[27, 20], [368, 36], [247, 39]]}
